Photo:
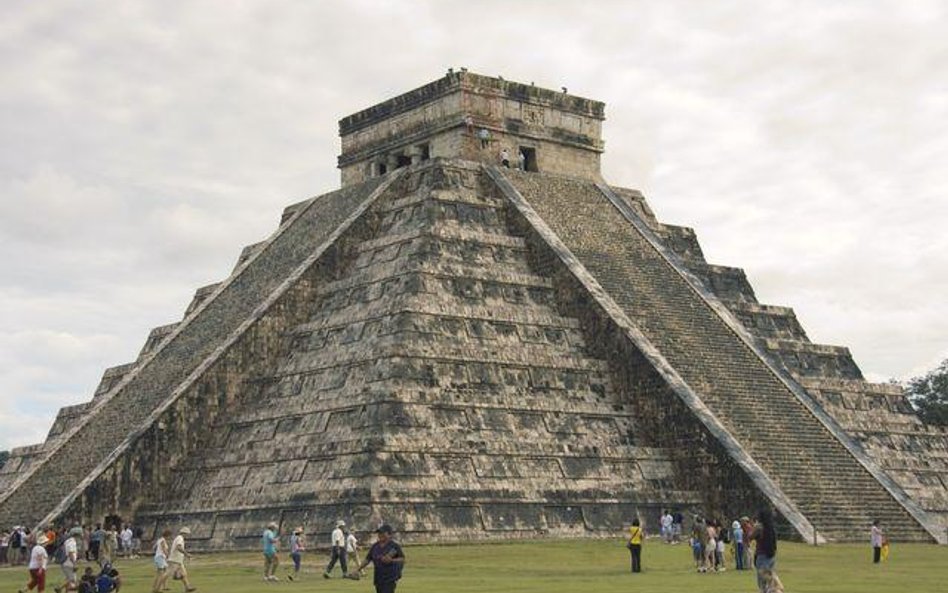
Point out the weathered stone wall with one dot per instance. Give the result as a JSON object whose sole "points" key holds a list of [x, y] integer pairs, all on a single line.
{"points": [[877, 416], [735, 382], [564, 130], [432, 386]]}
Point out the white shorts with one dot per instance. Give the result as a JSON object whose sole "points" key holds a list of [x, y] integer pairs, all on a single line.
{"points": [[161, 563]]}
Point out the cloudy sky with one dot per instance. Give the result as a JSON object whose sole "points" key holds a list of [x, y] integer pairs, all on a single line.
{"points": [[144, 143]]}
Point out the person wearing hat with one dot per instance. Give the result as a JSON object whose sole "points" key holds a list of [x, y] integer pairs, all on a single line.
{"points": [[39, 557], [338, 542], [270, 540], [387, 558], [70, 555], [297, 546], [176, 559]]}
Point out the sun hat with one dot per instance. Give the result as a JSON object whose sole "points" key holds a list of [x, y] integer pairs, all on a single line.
{"points": [[384, 528], [75, 531], [185, 530], [273, 525], [340, 523], [42, 539], [298, 530]]}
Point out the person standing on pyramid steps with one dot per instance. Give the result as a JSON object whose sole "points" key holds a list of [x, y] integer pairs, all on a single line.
{"points": [[388, 559], [338, 542], [270, 540]]}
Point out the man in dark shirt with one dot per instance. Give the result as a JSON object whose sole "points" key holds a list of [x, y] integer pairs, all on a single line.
{"points": [[387, 557]]}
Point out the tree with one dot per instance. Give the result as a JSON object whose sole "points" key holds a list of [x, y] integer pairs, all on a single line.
{"points": [[4, 455], [929, 395]]}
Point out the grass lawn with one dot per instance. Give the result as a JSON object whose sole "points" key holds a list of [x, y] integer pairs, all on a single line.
{"points": [[562, 566]]}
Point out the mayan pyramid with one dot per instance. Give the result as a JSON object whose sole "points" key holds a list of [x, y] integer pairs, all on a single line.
{"points": [[469, 351]]}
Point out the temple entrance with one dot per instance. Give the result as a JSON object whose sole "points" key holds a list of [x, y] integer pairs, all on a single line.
{"points": [[530, 158]]}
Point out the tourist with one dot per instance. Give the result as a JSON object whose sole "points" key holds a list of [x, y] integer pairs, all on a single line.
{"points": [[25, 540], [737, 535], [68, 557], [39, 558], [722, 540], [109, 580], [387, 559], [666, 522], [137, 533], [710, 545], [747, 528], [86, 543], [469, 123], [297, 547], [636, 537], [176, 558], [699, 533], [95, 541], [505, 158], [108, 546], [521, 160], [13, 553], [875, 538], [696, 552], [677, 520], [87, 582], [271, 560], [126, 536], [338, 543], [4, 546], [352, 546], [484, 135], [765, 552], [161, 561]]}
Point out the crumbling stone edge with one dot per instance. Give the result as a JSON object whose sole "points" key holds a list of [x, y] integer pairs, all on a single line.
{"points": [[830, 423]]}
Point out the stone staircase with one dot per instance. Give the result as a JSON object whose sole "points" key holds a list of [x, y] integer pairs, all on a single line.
{"points": [[116, 418], [434, 385], [811, 466]]}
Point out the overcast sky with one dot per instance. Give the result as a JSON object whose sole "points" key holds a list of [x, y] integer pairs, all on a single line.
{"points": [[144, 144]]}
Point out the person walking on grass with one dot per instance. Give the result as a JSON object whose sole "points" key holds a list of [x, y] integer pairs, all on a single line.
{"points": [[271, 560], [388, 560], [636, 538], [297, 547], [338, 542], [39, 558], [176, 558], [162, 549], [765, 554], [68, 557]]}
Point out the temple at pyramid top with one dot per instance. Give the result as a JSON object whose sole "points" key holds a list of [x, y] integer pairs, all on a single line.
{"points": [[474, 117]]}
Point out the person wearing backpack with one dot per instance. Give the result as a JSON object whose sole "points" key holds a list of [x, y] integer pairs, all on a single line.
{"points": [[66, 556]]}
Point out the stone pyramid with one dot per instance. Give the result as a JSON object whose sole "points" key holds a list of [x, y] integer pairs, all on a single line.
{"points": [[467, 351]]}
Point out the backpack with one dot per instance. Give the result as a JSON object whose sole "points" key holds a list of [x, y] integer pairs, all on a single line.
{"points": [[104, 584], [59, 556], [15, 539]]}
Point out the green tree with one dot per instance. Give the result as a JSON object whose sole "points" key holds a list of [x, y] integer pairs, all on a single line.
{"points": [[929, 395]]}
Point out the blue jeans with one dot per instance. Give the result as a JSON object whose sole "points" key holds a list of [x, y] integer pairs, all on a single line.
{"points": [[296, 561], [763, 563], [739, 554]]}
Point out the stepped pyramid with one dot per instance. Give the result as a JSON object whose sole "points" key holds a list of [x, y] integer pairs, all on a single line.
{"points": [[469, 351]]}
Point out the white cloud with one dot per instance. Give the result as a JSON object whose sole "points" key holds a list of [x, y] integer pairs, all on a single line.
{"points": [[146, 143]]}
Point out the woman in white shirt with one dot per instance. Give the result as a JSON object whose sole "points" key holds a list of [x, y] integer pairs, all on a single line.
{"points": [[38, 561], [161, 561]]}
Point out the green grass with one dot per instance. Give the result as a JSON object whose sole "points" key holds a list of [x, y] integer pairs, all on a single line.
{"points": [[562, 566]]}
